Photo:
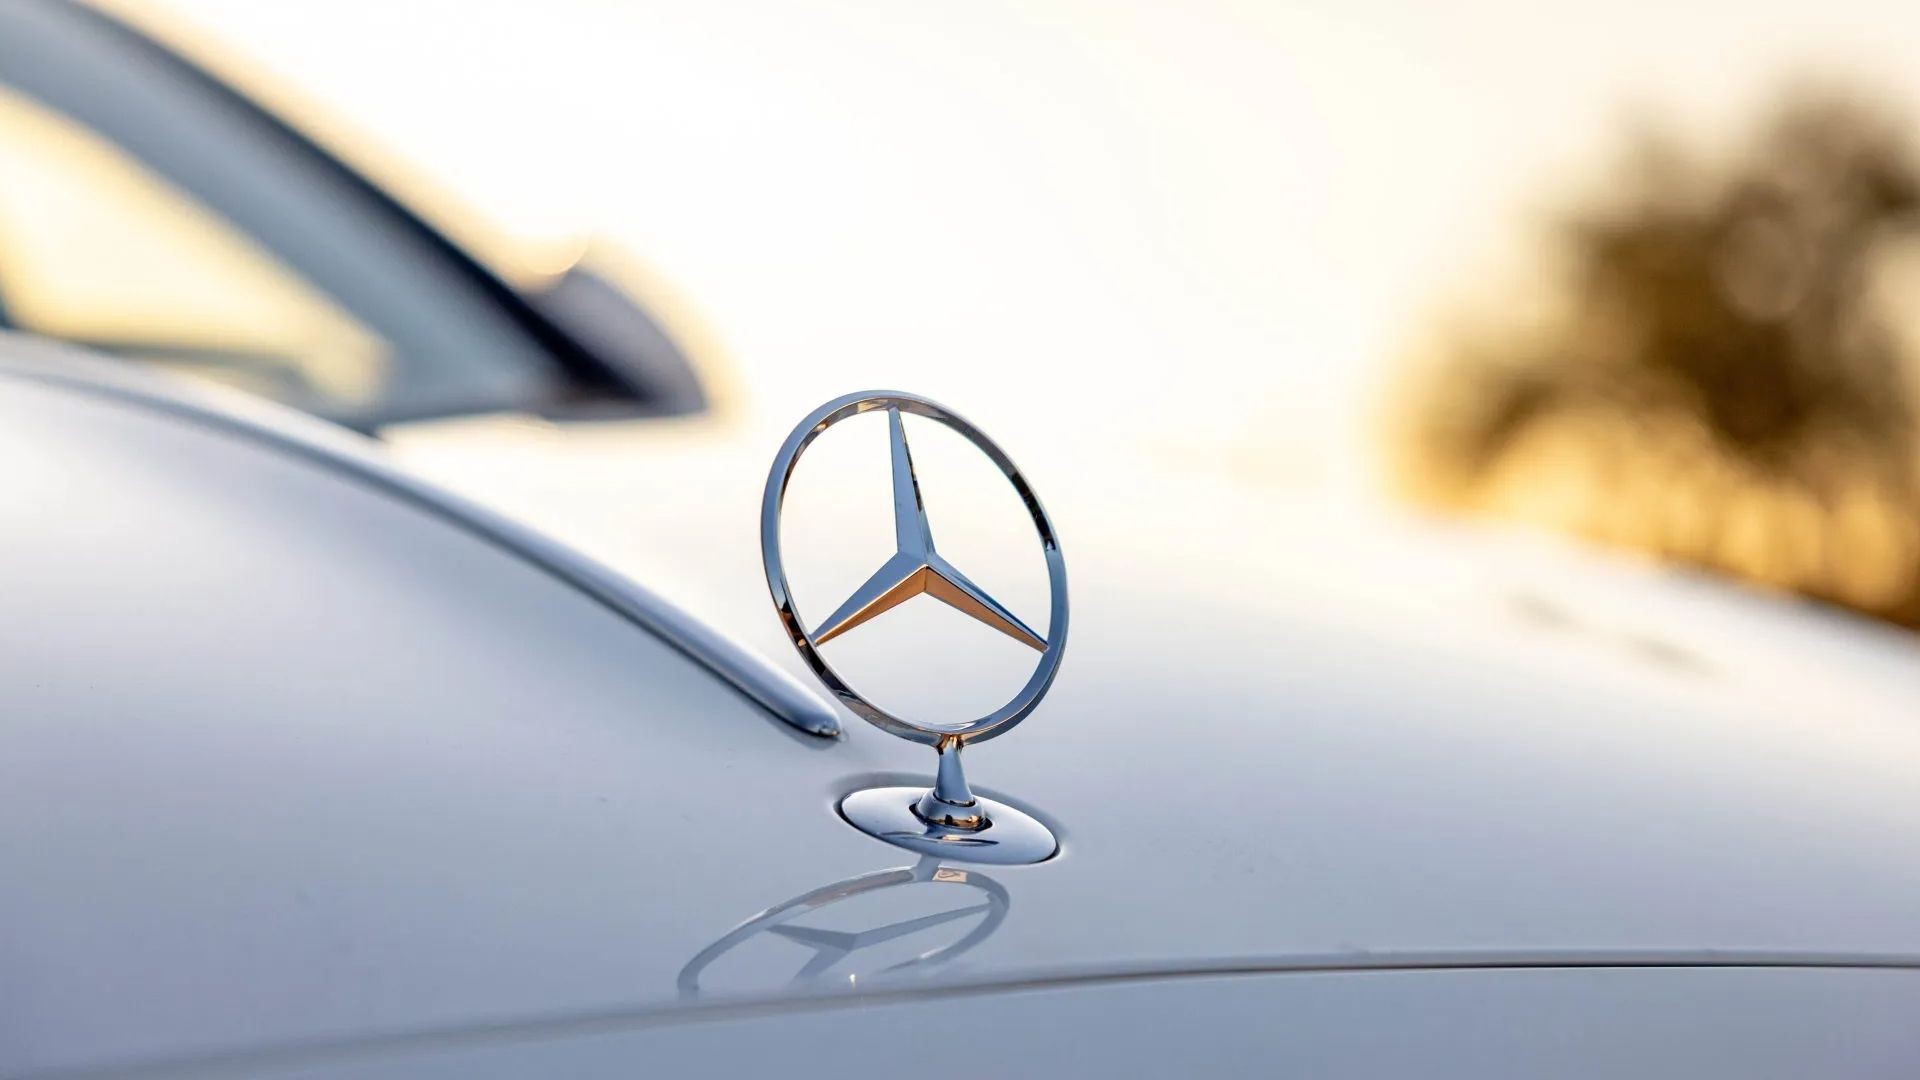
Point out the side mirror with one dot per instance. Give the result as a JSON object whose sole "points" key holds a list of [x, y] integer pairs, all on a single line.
{"points": [[629, 340]]}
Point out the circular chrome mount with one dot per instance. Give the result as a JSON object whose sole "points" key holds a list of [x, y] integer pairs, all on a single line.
{"points": [[987, 830], [948, 820]]}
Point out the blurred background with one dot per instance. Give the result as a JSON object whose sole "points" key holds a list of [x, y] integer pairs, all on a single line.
{"points": [[1637, 274]]}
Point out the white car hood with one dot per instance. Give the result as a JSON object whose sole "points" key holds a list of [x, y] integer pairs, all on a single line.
{"points": [[1286, 728], [292, 764]]}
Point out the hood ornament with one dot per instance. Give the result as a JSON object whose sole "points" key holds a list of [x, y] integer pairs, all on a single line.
{"points": [[948, 820]]}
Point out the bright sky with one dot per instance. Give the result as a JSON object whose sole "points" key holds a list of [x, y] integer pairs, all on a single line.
{"points": [[1213, 223]]}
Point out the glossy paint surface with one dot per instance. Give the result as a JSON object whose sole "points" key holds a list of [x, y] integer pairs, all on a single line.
{"points": [[1579, 1024], [292, 763]]}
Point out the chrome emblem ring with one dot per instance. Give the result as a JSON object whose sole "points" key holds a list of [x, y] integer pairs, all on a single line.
{"points": [[915, 567]]}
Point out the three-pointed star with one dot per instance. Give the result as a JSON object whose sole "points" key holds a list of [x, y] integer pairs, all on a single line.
{"points": [[916, 567]]}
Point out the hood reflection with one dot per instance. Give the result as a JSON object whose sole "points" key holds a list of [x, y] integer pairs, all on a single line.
{"points": [[831, 955]]}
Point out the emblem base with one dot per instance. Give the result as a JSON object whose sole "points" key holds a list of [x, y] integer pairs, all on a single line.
{"points": [[1008, 837]]}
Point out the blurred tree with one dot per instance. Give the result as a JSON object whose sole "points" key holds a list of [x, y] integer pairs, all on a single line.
{"points": [[1720, 377]]}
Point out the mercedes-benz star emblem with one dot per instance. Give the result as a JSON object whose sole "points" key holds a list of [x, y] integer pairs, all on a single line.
{"points": [[947, 820]]}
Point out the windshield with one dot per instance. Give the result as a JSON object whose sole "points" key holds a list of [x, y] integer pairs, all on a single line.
{"points": [[152, 214]]}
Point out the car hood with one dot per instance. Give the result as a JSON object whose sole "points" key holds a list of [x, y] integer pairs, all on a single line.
{"points": [[295, 764], [1286, 727]]}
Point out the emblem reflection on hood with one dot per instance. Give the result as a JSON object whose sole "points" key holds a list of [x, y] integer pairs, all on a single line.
{"points": [[831, 950], [948, 820]]}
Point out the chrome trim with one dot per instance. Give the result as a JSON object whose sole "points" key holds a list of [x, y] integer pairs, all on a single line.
{"points": [[756, 679]]}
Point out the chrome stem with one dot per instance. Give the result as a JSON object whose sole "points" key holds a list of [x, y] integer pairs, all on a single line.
{"points": [[950, 802]]}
